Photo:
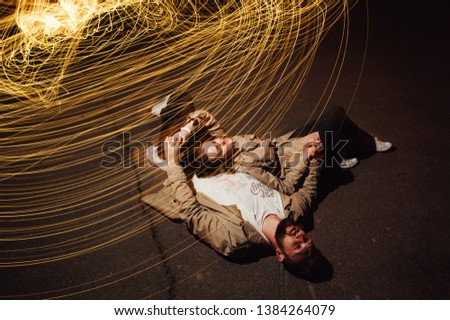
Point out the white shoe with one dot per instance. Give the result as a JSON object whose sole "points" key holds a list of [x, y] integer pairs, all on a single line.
{"points": [[153, 157], [348, 163], [157, 108], [382, 146]]}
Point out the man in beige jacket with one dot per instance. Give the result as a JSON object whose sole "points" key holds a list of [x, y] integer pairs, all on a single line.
{"points": [[224, 227]]}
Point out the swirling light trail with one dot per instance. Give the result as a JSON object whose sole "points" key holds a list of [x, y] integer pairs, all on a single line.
{"points": [[77, 73]]}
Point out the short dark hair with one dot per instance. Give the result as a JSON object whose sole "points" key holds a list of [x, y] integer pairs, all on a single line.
{"points": [[316, 268]]}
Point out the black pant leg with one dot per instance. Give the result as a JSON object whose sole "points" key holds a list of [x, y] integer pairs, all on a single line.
{"points": [[335, 128]]}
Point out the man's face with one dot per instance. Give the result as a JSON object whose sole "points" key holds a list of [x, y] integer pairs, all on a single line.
{"points": [[297, 246], [218, 149]]}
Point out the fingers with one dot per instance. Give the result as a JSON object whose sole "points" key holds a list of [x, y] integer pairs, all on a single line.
{"points": [[318, 143], [315, 149], [175, 139], [168, 141], [178, 139], [172, 144], [172, 151], [311, 152], [319, 146], [171, 141]]}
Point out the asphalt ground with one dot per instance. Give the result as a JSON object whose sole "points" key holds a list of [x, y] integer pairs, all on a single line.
{"points": [[383, 225]]}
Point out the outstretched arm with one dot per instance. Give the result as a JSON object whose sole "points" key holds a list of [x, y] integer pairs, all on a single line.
{"points": [[303, 200], [286, 184], [293, 174], [222, 232]]}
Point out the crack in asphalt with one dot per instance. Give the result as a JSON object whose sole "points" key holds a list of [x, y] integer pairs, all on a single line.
{"points": [[155, 238]]}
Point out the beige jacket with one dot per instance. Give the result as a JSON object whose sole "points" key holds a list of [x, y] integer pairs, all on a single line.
{"points": [[222, 227]]}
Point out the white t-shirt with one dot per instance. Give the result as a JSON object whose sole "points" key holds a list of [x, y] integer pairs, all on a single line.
{"points": [[255, 200]]}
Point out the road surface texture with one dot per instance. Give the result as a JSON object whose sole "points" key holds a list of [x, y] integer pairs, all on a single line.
{"points": [[384, 225]]}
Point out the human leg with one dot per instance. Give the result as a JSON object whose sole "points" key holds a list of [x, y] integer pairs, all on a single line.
{"points": [[343, 139]]}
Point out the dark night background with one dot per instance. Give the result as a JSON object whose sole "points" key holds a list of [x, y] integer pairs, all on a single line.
{"points": [[384, 226]]}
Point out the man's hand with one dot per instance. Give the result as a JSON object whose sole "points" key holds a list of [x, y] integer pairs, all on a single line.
{"points": [[180, 137], [172, 149], [315, 149]]}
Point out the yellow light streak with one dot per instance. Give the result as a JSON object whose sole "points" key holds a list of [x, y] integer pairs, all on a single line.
{"points": [[78, 73]]}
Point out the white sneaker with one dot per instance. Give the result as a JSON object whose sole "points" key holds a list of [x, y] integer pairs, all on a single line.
{"points": [[382, 146], [157, 108], [348, 163], [153, 157]]}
